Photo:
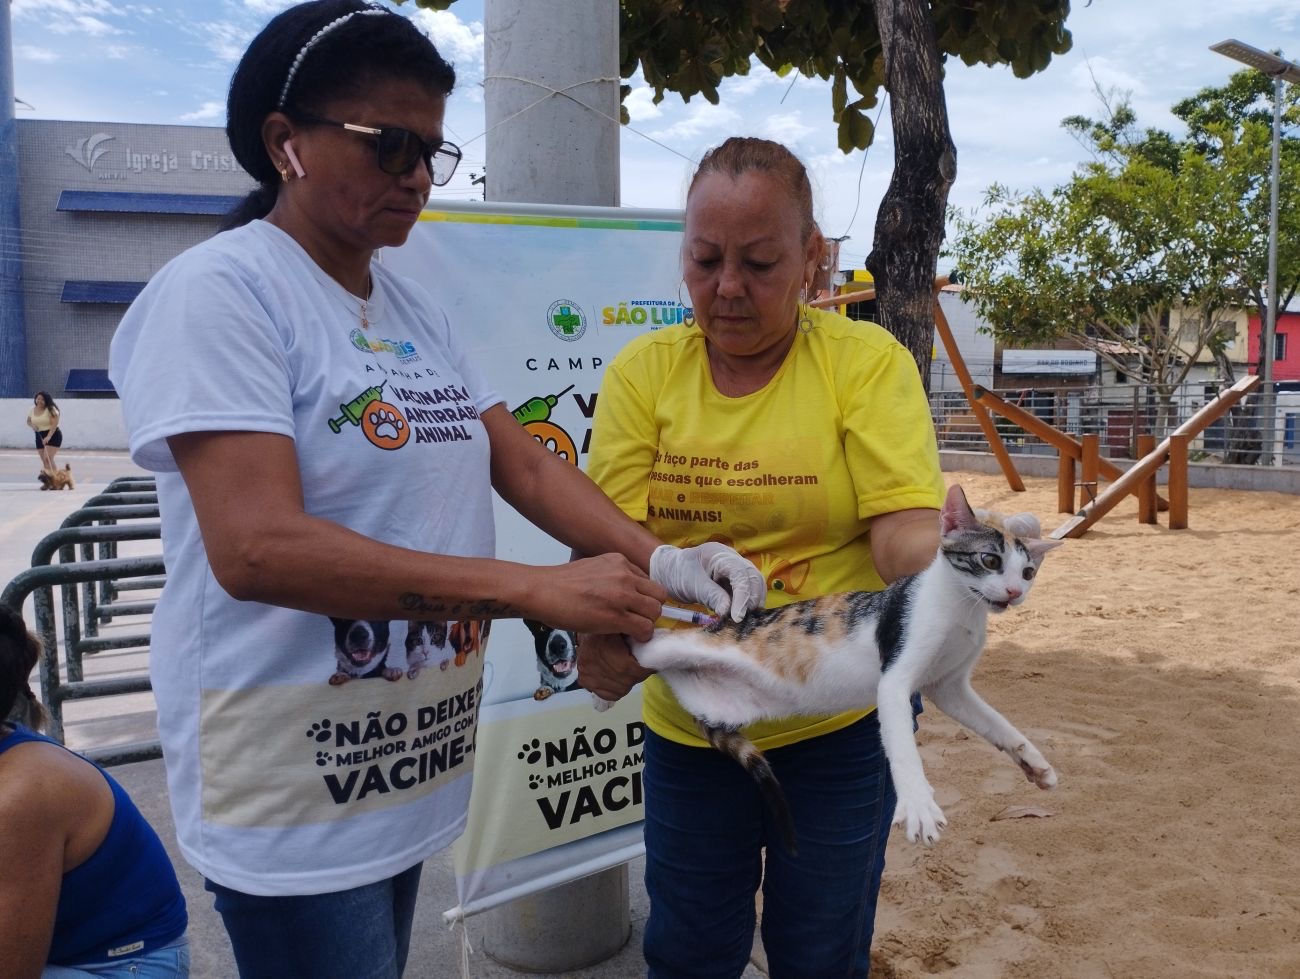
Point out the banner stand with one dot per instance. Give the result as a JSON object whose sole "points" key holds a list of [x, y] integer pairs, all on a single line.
{"points": [[556, 807], [571, 926]]}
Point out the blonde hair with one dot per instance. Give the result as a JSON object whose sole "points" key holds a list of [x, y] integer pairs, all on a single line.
{"points": [[744, 154]]}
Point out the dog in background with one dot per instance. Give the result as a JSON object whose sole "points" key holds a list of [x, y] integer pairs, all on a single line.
{"points": [[361, 648], [557, 658], [426, 643], [56, 479], [468, 636]]}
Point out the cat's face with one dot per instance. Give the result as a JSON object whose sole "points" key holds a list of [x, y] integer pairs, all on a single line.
{"points": [[996, 557]]}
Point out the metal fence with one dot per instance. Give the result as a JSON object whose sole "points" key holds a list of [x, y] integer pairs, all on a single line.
{"points": [[79, 561], [1121, 413]]}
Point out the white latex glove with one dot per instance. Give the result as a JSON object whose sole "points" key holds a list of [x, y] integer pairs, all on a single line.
{"points": [[692, 574]]}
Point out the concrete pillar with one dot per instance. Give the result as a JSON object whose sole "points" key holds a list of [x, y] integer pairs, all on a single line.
{"points": [[13, 324], [544, 148], [547, 148]]}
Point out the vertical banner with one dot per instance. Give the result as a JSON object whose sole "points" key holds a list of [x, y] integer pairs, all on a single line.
{"points": [[544, 297]]}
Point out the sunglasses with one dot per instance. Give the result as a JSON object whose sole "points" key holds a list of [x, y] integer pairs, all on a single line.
{"points": [[397, 150]]}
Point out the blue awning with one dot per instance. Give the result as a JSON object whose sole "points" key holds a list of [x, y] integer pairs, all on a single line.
{"points": [[126, 202], [85, 380], [76, 291]]}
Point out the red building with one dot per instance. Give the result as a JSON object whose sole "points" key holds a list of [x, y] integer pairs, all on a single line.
{"points": [[1286, 346]]}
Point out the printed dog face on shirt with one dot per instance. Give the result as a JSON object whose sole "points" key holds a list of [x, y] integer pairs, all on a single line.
{"points": [[557, 658], [361, 651]]}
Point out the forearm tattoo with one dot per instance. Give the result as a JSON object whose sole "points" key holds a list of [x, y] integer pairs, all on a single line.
{"points": [[479, 608]]}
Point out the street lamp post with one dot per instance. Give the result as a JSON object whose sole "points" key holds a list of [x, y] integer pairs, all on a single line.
{"points": [[1280, 70]]}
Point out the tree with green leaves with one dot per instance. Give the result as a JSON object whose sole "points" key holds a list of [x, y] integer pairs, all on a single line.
{"points": [[1102, 262], [689, 46], [1231, 128], [1150, 224]]}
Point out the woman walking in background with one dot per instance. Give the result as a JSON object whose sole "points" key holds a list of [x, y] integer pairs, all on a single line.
{"points": [[43, 419]]}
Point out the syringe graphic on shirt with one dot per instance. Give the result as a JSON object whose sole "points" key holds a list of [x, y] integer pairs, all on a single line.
{"points": [[355, 409], [539, 409], [382, 423]]}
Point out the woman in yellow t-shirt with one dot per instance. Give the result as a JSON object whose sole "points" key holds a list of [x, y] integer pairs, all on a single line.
{"points": [[804, 440], [43, 419]]}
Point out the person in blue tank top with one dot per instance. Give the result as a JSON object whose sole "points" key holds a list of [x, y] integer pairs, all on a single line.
{"points": [[86, 887]]}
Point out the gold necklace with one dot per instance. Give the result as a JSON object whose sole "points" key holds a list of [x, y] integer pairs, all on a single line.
{"points": [[365, 302]]}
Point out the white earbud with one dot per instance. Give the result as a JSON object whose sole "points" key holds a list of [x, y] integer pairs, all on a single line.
{"points": [[293, 159]]}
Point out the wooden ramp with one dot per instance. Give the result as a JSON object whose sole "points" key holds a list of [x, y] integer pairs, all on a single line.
{"points": [[1146, 467]]}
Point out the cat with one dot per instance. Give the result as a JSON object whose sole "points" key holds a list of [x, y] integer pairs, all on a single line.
{"points": [[922, 634]]}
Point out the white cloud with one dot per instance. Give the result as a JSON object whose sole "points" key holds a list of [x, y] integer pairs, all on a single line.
{"points": [[83, 24], [789, 127], [207, 112], [458, 41], [703, 118], [759, 78], [226, 40], [28, 52], [66, 8], [267, 8], [640, 104]]}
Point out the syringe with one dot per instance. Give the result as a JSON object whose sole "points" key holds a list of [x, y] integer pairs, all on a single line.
{"points": [[686, 615]]}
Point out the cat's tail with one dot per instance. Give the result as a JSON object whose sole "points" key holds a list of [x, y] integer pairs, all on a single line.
{"points": [[735, 745]]}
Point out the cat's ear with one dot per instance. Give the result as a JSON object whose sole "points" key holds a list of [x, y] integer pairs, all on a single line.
{"points": [[1038, 548], [956, 513]]}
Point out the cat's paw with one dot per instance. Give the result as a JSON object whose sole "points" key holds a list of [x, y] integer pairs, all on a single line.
{"points": [[1044, 776], [1035, 767], [920, 817], [600, 703]]}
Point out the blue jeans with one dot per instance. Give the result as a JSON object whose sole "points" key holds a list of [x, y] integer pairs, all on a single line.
{"points": [[705, 828], [362, 933], [172, 961]]}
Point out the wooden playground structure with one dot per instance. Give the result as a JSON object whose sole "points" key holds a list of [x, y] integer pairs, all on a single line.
{"points": [[1081, 467]]}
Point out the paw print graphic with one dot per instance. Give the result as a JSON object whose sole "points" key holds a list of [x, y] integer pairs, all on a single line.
{"points": [[386, 424], [322, 758], [320, 731], [534, 782], [531, 752]]}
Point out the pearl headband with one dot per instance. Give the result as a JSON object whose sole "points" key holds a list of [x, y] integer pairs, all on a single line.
{"points": [[311, 42]]}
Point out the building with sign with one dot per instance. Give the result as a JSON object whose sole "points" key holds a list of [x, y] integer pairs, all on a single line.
{"points": [[101, 207]]}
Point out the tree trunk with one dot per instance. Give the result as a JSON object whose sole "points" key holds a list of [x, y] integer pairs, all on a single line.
{"points": [[910, 222]]}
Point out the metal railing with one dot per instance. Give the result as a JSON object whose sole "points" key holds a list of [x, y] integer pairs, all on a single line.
{"points": [[90, 576], [1123, 412]]}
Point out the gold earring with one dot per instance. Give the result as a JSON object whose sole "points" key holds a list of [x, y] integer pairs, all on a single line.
{"points": [[284, 172]]}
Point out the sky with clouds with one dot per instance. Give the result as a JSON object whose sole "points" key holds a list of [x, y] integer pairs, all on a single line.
{"points": [[170, 62]]}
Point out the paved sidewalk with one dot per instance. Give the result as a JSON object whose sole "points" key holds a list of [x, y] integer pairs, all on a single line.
{"points": [[27, 514]]}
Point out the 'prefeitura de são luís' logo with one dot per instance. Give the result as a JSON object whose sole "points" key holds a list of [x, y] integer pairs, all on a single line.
{"points": [[566, 319], [87, 151]]}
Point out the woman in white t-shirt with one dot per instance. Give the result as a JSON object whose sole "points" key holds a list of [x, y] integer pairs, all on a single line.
{"points": [[326, 455]]}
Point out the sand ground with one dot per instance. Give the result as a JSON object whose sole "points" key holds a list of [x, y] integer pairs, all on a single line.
{"points": [[1159, 671]]}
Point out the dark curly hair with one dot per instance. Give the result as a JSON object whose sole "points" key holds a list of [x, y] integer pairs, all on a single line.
{"points": [[341, 62], [20, 651]]}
